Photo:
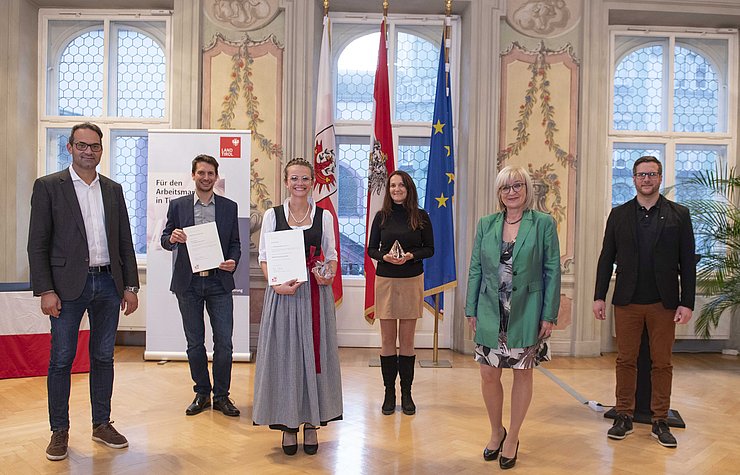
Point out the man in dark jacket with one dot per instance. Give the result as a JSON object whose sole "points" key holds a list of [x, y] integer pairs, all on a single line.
{"points": [[81, 259], [210, 287], [651, 240]]}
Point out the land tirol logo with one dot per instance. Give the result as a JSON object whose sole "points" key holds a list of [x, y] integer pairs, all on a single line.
{"points": [[231, 147]]}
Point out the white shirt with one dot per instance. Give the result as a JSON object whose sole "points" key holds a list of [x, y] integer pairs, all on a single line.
{"points": [[90, 198], [328, 244]]}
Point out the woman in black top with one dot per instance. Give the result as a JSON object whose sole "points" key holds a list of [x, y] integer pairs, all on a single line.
{"points": [[399, 282]]}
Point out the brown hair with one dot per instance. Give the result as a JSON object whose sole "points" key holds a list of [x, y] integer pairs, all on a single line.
{"points": [[647, 159], [206, 159], [411, 203]]}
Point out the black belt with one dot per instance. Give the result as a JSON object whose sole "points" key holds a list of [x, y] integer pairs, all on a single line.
{"points": [[205, 273], [98, 269]]}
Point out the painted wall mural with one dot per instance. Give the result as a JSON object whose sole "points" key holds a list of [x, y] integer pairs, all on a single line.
{"points": [[538, 130], [242, 89]]}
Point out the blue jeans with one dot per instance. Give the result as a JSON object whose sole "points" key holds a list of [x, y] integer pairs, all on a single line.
{"points": [[220, 306], [100, 299]]}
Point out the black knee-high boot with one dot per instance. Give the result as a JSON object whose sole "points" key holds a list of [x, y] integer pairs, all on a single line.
{"points": [[389, 368], [406, 372]]}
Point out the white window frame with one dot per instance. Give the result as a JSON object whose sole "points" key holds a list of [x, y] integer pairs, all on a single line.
{"points": [[108, 124], [668, 138]]}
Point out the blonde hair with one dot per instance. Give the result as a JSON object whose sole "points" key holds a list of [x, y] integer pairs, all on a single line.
{"points": [[510, 173]]}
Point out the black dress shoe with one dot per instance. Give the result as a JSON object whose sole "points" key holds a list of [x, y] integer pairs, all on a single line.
{"points": [[490, 455], [506, 463], [310, 449], [199, 404], [289, 449], [226, 406]]}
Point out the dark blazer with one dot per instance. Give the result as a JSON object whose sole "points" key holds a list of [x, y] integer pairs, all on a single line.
{"points": [[57, 243], [180, 215], [673, 254], [535, 279]]}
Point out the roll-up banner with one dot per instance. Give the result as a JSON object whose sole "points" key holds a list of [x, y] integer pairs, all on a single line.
{"points": [[171, 153]]}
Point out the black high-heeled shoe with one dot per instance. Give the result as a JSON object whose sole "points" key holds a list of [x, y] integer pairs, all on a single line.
{"points": [[289, 449], [490, 455], [506, 463], [310, 449]]}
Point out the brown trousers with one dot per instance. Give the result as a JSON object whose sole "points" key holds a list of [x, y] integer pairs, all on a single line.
{"points": [[629, 322]]}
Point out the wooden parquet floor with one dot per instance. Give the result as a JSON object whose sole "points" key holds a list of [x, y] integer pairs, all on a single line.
{"points": [[446, 436]]}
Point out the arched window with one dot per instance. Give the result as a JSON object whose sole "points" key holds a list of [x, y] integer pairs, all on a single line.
{"points": [[670, 99], [111, 70], [413, 55]]}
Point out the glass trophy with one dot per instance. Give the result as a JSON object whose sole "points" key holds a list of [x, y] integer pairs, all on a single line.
{"points": [[322, 269], [397, 251]]}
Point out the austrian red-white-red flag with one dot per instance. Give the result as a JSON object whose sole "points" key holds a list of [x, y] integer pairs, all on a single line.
{"points": [[324, 158], [382, 162]]}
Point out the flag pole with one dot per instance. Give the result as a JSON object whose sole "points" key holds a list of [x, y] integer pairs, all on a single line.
{"points": [[435, 363], [326, 7], [381, 160]]}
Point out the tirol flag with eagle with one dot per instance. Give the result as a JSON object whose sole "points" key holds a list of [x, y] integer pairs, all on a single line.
{"points": [[324, 161], [382, 162]]}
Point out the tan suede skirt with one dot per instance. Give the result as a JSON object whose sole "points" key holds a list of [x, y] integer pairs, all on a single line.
{"points": [[399, 298]]}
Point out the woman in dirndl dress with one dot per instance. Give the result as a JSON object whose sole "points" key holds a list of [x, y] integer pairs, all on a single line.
{"points": [[512, 303], [297, 380]]}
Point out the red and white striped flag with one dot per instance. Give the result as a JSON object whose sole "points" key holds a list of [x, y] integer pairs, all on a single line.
{"points": [[382, 162], [324, 161]]}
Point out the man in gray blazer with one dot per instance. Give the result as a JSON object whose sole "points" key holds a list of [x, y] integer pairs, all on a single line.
{"points": [[210, 288], [81, 258]]}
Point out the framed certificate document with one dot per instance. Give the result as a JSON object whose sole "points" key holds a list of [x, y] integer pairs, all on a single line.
{"points": [[286, 257]]}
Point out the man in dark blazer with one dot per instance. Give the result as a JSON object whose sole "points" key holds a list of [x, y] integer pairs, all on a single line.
{"points": [[81, 258], [651, 240], [211, 287]]}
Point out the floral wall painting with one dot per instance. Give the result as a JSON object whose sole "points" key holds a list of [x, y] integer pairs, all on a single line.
{"points": [[539, 111], [543, 18], [242, 89], [242, 15]]}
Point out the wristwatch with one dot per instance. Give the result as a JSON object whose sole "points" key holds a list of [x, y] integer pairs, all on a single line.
{"points": [[133, 290]]}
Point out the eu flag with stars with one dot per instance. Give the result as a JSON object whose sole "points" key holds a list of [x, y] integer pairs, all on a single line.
{"points": [[439, 270]]}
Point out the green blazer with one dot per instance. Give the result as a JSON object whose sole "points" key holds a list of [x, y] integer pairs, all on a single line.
{"points": [[536, 279]]}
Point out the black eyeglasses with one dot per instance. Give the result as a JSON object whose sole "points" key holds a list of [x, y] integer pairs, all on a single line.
{"points": [[643, 175], [82, 146], [517, 187]]}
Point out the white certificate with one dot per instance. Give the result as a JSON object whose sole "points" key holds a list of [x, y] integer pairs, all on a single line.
{"points": [[286, 257], [204, 247]]}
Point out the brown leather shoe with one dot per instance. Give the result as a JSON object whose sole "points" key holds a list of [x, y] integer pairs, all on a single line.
{"points": [[109, 436], [57, 449]]}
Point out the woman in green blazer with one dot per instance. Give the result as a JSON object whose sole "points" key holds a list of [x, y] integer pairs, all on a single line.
{"points": [[512, 302]]}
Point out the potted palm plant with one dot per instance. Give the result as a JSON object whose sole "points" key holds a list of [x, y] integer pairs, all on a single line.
{"points": [[716, 219]]}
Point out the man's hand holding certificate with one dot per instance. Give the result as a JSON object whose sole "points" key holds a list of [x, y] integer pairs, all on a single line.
{"points": [[204, 247]]}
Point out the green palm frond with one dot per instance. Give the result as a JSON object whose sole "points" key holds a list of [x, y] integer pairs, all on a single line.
{"points": [[717, 225]]}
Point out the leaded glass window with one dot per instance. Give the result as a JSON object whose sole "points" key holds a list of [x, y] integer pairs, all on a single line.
{"points": [[111, 70], [413, 55], [670, 99]]}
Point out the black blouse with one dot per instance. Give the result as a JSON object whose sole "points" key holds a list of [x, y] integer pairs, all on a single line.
{"points": [[420, 242]]}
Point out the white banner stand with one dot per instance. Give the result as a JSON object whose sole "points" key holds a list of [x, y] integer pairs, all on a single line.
{"points": [[171, 153]]}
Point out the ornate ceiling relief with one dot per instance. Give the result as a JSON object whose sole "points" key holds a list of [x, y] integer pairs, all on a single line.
{"points": [[241, 14], [543, 18]]}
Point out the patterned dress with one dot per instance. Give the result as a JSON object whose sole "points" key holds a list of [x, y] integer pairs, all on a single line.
{"points": [[503, 356]]}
